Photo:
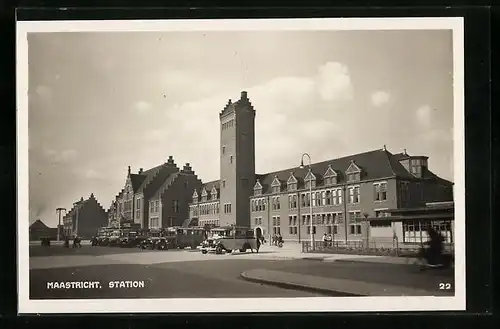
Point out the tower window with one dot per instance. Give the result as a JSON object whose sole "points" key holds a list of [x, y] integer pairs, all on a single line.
{"points": [[224, 150], [224, 183], [231, 159]]}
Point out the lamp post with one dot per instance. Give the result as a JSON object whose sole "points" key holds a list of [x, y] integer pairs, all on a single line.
{"points": [[59, 210], [310, 197]]}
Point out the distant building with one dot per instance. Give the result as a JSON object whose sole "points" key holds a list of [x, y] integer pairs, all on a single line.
{"points": [[38, 229], [85, 218]]}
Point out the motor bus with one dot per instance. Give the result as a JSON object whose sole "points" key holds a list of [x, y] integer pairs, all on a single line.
{"points": [[179, 237], [229, 239]]}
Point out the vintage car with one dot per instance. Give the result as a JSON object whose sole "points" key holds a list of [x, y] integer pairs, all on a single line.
{"points": [[152, 243], [114, 240], [131, 240], [229, 239]]}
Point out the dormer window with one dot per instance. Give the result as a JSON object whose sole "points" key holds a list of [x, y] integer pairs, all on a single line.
{"points": [[418, 166], [214, 193], [276, 185], [291, 183], [353, 173], [330, 176], [310, 180], [204, 195], [257, 189]]}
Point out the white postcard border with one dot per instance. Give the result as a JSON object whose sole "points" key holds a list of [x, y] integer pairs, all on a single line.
{"points": [[228, 305]]}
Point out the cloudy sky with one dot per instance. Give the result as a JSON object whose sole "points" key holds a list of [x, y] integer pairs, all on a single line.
{"points": [[99, 102]]}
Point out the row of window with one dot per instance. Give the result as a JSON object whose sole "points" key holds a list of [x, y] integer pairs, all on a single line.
{"points": [[228, 124], [205, 209], [154, 206], [213, 222], [354, 229], [322, 198], [331, 218]]}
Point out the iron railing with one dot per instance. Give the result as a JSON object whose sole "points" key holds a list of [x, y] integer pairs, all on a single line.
{"points": [[371, 246]]}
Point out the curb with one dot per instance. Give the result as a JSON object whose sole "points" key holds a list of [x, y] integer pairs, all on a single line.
{"points": [[299, 287]]}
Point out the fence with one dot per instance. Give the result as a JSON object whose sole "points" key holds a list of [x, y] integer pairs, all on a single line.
{"points": [[370, 246]]}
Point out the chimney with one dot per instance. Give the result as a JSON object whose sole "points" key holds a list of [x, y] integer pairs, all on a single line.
{"points": [[170, 160], [244, 95], [404, 152], [129, 170], [141, 170], [91, 195], [187, 169]]}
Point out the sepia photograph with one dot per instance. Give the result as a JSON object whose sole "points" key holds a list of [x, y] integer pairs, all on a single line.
{"points": [[267, 165]]}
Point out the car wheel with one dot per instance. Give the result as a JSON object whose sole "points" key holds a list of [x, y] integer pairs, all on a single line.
{"points": [[219, 249], [243, 250], [204, 251]]}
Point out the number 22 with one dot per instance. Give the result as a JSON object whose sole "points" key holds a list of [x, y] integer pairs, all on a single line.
{"points": [[444, 286]]}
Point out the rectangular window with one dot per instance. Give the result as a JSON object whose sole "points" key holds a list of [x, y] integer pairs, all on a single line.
{"points": [[355, 229], [380, 191], [313, 230], [354, 194]]}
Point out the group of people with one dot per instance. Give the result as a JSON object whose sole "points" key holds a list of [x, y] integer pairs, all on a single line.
{"points": [[277, 239], [77, 242], [327, 239]]}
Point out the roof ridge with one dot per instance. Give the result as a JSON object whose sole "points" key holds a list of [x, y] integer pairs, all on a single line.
{"points": [[389, 158]]}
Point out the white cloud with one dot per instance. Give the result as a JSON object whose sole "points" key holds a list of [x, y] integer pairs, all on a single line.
{"points": [[142, 107], [424, 116], [60, 156], [380, 98], [289, 120], [334, 81]]}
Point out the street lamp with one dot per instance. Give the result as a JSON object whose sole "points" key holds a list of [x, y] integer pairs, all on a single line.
{"points": [[310, 197], [59, 210]]}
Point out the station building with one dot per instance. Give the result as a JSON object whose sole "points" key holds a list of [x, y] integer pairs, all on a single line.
{"points": [[345, 191]]}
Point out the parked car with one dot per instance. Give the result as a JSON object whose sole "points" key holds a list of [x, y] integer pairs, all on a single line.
{"points": [[228, 239], [152, 243], [131, 239], [114, 241]]}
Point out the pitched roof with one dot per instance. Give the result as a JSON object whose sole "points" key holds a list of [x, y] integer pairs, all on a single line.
{"points": [[375, 164], [38, 224], [137, 180]]}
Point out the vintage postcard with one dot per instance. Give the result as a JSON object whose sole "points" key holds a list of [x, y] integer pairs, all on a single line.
{"points": [[271, 165]]}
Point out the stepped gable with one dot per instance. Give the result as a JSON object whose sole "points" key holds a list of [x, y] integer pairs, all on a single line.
{"points": [[375, 164], [150, 174], [159, 192], [243, 102], [38, 224]]}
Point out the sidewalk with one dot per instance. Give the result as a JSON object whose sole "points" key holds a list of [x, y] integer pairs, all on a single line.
{"points": [[293, 251], [333, 286]]}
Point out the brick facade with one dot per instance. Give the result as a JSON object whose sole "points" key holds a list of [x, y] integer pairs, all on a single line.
{"points": [[85, 218]]}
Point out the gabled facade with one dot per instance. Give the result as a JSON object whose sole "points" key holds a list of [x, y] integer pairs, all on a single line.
{"points": [[85, 218]]}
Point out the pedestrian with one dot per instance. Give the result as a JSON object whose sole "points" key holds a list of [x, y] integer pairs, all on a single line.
{"points": [[329, 239], [325, 240], [258, 243]]}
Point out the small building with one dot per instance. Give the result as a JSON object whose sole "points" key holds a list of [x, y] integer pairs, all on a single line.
{"points": [[38, 229], [409, 225], [85, 218]]}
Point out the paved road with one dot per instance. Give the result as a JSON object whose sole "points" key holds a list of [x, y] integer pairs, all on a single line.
{"points": [[181, 274]]}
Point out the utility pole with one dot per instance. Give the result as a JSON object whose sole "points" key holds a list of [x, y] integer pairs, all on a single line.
{"points": [[58, 211]]}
